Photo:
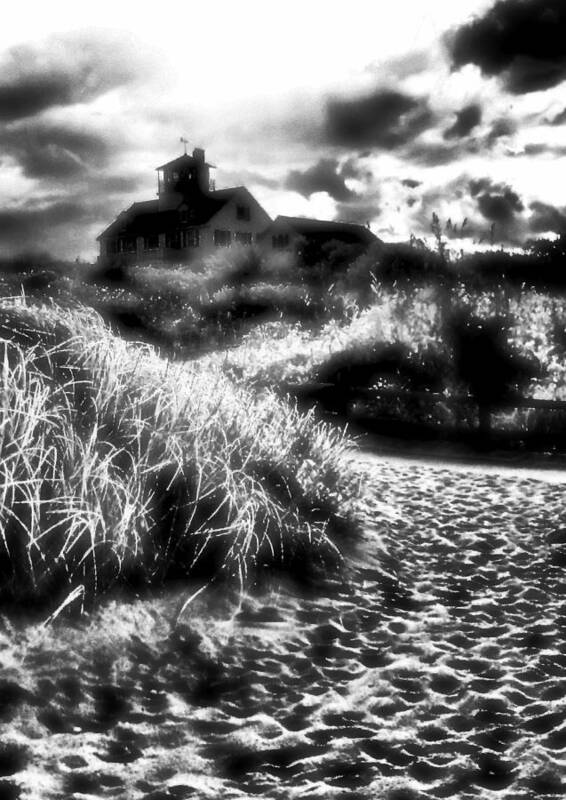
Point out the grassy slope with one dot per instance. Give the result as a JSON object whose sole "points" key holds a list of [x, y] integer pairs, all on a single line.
{"points": [[120, 466], [118, 416]]}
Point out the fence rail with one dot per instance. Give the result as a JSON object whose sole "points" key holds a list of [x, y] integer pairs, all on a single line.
{"points": [[316, 387]]}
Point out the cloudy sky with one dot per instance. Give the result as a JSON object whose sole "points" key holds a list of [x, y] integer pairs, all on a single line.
{"points": [[362, 111]]}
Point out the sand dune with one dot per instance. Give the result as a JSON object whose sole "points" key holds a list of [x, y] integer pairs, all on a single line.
{"points": [[448, 682]]}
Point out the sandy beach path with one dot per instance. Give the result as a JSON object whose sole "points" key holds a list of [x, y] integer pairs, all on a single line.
{"points": [[447, 681]]}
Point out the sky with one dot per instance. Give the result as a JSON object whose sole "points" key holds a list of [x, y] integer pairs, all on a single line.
{"points": [[380, 113]]}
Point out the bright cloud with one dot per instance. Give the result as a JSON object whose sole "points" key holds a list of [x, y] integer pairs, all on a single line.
{"points": [[347, 112]]}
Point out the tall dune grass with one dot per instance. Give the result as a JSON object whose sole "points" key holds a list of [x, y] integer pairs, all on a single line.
{"points": [[117, 465]]}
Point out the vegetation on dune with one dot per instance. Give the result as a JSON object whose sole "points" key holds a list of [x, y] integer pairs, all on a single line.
{"points": [[267, 321], [118, 465], [211, 304], [448, 357]]}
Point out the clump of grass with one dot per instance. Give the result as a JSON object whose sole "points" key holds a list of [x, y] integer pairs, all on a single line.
{"points": [[281, 352], [211, 304], [116, 465]]}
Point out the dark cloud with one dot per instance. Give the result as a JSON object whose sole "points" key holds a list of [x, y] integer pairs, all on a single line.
{"points": [[361, 211], [558, 119], [479, 185], [434, 154], [385, 119], [466, 120], [410, 183], [321, 177], [547, 219], [26, 221], [63, 70], [500, 208], [54, 151], [31, 95], [244, 177], [353, 169], [500, 128], [534, 149], [57, 226], [495, 201], [539, 149], [117, 184], [521, 41]]}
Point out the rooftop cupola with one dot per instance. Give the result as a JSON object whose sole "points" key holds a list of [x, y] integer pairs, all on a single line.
{"points": [[184, 178]]}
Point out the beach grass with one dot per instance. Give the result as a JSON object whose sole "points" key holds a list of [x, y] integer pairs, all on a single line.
{"points": [[119, 466]]}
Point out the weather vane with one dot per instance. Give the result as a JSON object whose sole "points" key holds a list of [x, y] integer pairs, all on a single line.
{"points": [[185, 143]]}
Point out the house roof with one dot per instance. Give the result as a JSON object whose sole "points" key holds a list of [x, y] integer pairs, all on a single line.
{"points": [[182, 160], [348, 232], [124, 220], [228, 194], [142, 219]]}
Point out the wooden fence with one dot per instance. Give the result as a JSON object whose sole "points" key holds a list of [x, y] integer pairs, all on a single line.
{"points": [[316, 388], [543, 432]]}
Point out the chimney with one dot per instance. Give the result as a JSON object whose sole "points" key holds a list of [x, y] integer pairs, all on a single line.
{"points": [[198, 155]]}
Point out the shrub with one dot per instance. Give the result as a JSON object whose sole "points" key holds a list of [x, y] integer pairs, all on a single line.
{"points": [[492, 371]]}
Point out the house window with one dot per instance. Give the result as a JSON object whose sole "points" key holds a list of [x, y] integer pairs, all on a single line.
{"points": [[243, 238], [280, 241], [172, 240], [151, 242], [127, 245], [191, 237], [222, 238], [111, 247], [184, 215], [243, 212]]}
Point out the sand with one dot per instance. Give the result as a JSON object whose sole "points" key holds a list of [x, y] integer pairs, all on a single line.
{"points": [[448, 680]]}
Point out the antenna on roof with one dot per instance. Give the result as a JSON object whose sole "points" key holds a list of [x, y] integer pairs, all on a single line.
{"points": [[185, 143]]}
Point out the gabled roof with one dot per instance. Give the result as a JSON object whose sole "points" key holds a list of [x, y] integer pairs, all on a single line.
{"points": [[125, 218], [182, 161], [141, 219], [145, 206], [228, 194], [322, 229]]}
